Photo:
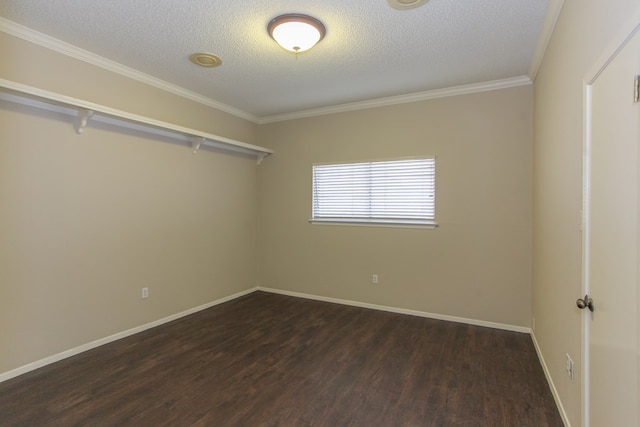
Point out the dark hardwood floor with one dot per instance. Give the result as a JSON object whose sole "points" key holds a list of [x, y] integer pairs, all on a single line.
{"points": [[272, 360]]}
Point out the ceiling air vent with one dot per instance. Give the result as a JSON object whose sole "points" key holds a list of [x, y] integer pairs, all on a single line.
{"points": [[208, 60], [406, 4]]}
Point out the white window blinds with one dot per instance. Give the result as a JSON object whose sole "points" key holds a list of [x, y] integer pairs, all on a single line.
{"points": [[395, 191]]}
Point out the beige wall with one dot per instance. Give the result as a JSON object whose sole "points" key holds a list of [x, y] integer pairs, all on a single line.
{"points": [[583, 31], [476, 265], [30, 64], [87, 220]]}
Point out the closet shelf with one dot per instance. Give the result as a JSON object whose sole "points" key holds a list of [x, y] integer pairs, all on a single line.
{"points": [[86, 111]]}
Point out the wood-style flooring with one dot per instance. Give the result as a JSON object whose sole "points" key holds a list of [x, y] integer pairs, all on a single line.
{"points": [[273, 360]]}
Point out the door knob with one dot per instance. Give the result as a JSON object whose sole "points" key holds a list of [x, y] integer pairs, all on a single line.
{"points": [[586, 302]]}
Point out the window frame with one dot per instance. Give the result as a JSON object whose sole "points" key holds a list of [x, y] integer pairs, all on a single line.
{"points": [[429, 223]]}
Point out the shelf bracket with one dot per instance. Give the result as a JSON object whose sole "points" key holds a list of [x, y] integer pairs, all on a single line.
{"points": [[196, 142], [261, 157], [84, 115]]}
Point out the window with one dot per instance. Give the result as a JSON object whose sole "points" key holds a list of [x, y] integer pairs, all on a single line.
{"points": [[382, 192]]}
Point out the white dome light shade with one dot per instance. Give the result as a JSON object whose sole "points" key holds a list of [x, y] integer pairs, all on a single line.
{"points": [[295, 32], [296, 36]]}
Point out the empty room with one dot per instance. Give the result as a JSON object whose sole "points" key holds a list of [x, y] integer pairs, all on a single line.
{"points": [[338, 213]]}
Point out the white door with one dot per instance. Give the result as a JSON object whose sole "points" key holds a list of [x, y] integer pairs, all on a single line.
{"points": [[611, 242]]}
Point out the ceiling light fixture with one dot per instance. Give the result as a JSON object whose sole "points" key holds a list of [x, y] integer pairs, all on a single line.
{"points": [[296, 32]]}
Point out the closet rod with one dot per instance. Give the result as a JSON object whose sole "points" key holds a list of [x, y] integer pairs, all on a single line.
{"points": [[86, 110]]}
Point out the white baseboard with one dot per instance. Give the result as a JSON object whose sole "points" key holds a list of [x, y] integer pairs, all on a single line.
{"points": [[97, 343], [102, 341], [552, 386], [505, 327], [502, 326]]}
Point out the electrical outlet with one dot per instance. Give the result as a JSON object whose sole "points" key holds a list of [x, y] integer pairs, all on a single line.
{"points": [[569, 367], [374, 279], [145, 293]]}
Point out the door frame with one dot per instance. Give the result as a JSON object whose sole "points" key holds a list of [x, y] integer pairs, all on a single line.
{"points": [[618, 43]]}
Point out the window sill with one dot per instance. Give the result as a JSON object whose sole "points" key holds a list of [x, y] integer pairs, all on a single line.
{"points": [[376, 223]]}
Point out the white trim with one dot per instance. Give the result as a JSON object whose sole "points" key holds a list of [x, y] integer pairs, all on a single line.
{"points": [[401, 99], [106, 340], [72, 51], [550, 21], [547, 374], [391, 223], [586, 255], [417, 313], [618, 43]]}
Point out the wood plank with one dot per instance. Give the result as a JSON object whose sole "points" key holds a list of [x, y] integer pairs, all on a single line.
{"points": [[266, 360]]}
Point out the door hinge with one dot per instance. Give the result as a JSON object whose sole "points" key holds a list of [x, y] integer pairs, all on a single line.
{"points": [[636, 89]]}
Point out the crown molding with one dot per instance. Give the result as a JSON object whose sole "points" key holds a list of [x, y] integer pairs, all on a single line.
{"points": [[550, 21], [72, 51], [67, 49], [401, 99], [626, 32]]}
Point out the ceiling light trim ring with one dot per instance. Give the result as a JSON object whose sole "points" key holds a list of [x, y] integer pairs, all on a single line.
{"points": [[277, 24], [207, 60], [406, 4]]}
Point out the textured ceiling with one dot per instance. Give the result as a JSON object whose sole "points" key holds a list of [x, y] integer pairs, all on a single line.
{"points": [[370, 50]]}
